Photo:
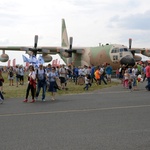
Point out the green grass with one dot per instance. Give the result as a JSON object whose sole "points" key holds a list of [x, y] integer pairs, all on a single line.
{"points": [[20, 91]]}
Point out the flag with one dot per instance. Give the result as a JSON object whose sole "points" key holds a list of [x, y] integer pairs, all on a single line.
{"points": [[41, 60], [33, 60], [56, 60], [25, 59], [9, 63], [14, 62], [53, 63], [59, 63]]}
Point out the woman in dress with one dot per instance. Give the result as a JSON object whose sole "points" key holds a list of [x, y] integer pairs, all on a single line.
{"points": [[52, 82]]}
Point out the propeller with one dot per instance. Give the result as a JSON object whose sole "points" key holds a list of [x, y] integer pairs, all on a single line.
{"points": [[130, 44], [34, 50], [70, 51], [133, 51], [35, 41]]}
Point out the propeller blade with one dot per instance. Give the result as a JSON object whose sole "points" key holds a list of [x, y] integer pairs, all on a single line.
{"points": [[35, 41], [130, 43], [70, 42]]}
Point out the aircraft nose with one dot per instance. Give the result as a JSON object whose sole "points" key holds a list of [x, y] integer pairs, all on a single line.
{"points": [[127, 60]]}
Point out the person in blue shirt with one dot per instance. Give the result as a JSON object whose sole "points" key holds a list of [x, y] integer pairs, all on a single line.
{"points": [[109, 72], [75, 74], [52, 82]]}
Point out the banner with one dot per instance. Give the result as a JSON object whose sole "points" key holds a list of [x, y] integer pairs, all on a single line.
{"points": [[9, 63], [14, 62]]}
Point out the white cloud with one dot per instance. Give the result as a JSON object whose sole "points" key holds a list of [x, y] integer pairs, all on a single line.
{"points": [[89, 21]]}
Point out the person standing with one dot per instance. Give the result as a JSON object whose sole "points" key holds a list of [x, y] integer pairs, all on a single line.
{"points": [[1, 87], [75, 74], [62, 76], [11, 76], [21, 74], [109, 72], [52, 82], [148, 76], [17, 75], [97, 75], [126, 79], [102, 75], [41, 81], [92, 73], [134, 77], [86, 80], [31, 84]]}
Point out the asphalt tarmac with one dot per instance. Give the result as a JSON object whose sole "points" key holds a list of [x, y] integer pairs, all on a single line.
{"points": [[109, 119]]}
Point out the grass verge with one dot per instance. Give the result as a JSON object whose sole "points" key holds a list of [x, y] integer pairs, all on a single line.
{"points": [[20, 91]]}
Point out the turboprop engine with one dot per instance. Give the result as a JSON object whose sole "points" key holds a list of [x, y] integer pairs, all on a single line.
{"points": [[65, 54], [4, 58], [47, 57]]}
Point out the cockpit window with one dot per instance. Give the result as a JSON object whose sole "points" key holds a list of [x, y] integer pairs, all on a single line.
{"points": [[123, 49], [115, 50]]}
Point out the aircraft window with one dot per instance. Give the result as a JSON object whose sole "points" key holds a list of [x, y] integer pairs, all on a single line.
{"points": [[112, 51], [125, 49], [121, 49], [120, 54], [115, 57], [115, 51]]}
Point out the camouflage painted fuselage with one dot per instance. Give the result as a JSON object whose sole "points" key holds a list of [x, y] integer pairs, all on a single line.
{"points": [[98, 55]]}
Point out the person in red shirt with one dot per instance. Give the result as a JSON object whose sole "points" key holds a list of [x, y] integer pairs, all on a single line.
{"points": [[148, 76], [31, 84]]}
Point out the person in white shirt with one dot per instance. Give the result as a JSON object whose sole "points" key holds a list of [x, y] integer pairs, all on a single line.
{"points": [[62, 76], [86, 82], [41, 77]]}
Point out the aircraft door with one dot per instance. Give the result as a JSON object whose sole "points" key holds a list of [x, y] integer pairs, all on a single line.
{"points": [[120, 53], [115, 55]]}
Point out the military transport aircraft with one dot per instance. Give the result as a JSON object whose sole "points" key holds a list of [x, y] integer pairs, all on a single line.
{"points": [[114, 54]]}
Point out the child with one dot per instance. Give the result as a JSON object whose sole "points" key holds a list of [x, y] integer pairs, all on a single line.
{"points": [[117, 73], [86, 80], [130, 84], [126, 79]]}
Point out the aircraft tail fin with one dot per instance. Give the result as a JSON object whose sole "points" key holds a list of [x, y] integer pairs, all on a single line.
{"points": [[64, 35]]}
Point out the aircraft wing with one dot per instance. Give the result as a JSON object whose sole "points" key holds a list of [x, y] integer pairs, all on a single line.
{"points": [[142, 51], [11, 48], [137, 50], [40, 50]]}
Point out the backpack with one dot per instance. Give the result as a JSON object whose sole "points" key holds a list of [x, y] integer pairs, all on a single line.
{"points": [[11, 74]]}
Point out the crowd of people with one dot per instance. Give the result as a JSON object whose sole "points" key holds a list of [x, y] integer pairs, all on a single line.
{"points": [[50, 79], [131, 76]]}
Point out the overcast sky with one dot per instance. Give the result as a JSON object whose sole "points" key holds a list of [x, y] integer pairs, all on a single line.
{"points": [[89, 22]]}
